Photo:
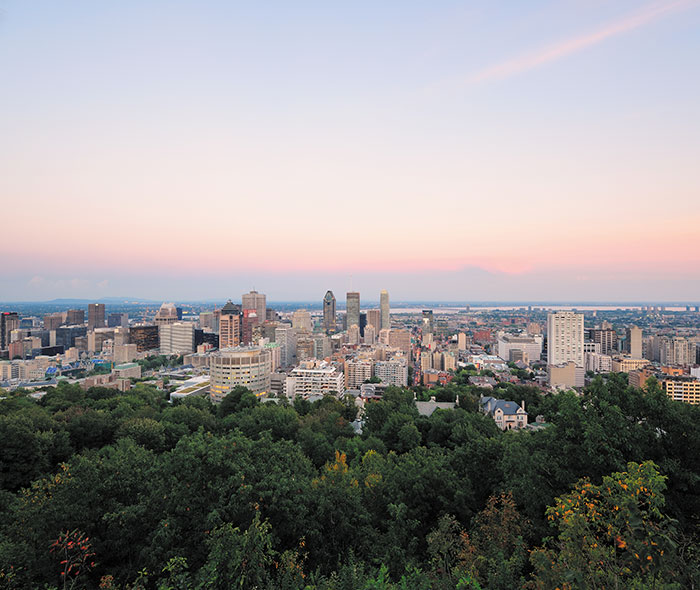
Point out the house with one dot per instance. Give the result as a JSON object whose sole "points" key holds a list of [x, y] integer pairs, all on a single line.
{"points": [[507, 415]]}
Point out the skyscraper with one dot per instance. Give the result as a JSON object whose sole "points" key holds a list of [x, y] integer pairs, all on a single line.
{"points": [[428, 324], [634, 342], [329, 312], [96, 315], [384, 307], [352, 305], [9, 320], [167, 314], [565, 338], [229, 326], [256, 301], [374, 318]]}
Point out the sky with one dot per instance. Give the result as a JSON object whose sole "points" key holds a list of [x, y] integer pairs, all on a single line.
{"points": [[462, 151]]}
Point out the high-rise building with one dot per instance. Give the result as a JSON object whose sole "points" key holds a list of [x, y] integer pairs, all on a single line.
{"points": [[176, 338], [258, 302], [607, 338], [306, 347], [248, 366], [286, 337], [401, 339], [374, 318], [118, 320], [301, 320], [329, 312], [249, 321], [461, 341], [75, 316], [370, 336], [354, 334], [428, 324], [144, 337], [676, 351], [384, 307], [229, 325], [352, 306], [9, 320], [392, 372], [96, 315], [53, 321], [357, 371], [565, 338], [634, 342], [167, 314]]}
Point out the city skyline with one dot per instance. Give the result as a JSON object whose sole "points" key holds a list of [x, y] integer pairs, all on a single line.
{"points": [[523, 152]]}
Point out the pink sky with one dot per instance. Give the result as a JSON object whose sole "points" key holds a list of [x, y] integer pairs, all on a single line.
{"points": [[555, 141]]}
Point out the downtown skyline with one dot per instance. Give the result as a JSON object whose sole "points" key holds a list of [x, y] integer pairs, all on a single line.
{"points": [[443, 152]]}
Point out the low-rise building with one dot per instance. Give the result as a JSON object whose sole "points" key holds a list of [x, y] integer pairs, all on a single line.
{"points": [[507, 415], [314, 378]]}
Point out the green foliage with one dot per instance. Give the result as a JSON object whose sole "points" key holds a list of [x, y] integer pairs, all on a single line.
{"points": [[248, 494]]}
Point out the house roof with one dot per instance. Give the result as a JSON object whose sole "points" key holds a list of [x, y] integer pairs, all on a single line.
{"points": [[508, 408]]}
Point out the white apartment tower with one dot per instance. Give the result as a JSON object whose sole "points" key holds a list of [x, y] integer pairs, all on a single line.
{"points": [[565, 338], [384, 308]]}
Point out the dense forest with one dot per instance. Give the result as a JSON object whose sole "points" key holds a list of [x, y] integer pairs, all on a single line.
{"points": [[102, 489]]}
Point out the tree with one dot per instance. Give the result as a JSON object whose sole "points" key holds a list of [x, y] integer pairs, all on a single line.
{"points": [[238, 560], [613, 535], [236, 400]]}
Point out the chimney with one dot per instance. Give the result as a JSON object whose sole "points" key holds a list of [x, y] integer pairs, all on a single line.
{"points": [[522, 405]]}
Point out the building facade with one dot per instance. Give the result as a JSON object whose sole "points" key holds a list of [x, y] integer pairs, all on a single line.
{"points": [[247, 366]]}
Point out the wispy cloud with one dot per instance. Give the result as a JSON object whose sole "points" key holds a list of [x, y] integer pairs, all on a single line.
{"points": [[560, 50]]}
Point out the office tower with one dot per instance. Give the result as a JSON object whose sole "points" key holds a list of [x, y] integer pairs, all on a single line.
{"points": [[401, 339], [96, 315], [258, 302], [206, 321], [634, 342], [352, 306], [301, 320], [606, 337], [370, 336], [353, 334], [384, 307], [144, 337], [118, 320], [248, 366], [565, 338], [229, 326], [249, 321], [428, 324], [53, 321], [9, 320], [75, 316], [167, 314], [176, 338], [306, 347], [374, 318], [363, 323], [329, 312], [286, 337]]}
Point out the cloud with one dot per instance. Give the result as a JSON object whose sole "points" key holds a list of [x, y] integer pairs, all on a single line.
{"points": [[527, 62], [36, 281]]}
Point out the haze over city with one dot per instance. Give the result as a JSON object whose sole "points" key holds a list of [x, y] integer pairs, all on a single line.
{"points": [[444, 151]]}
